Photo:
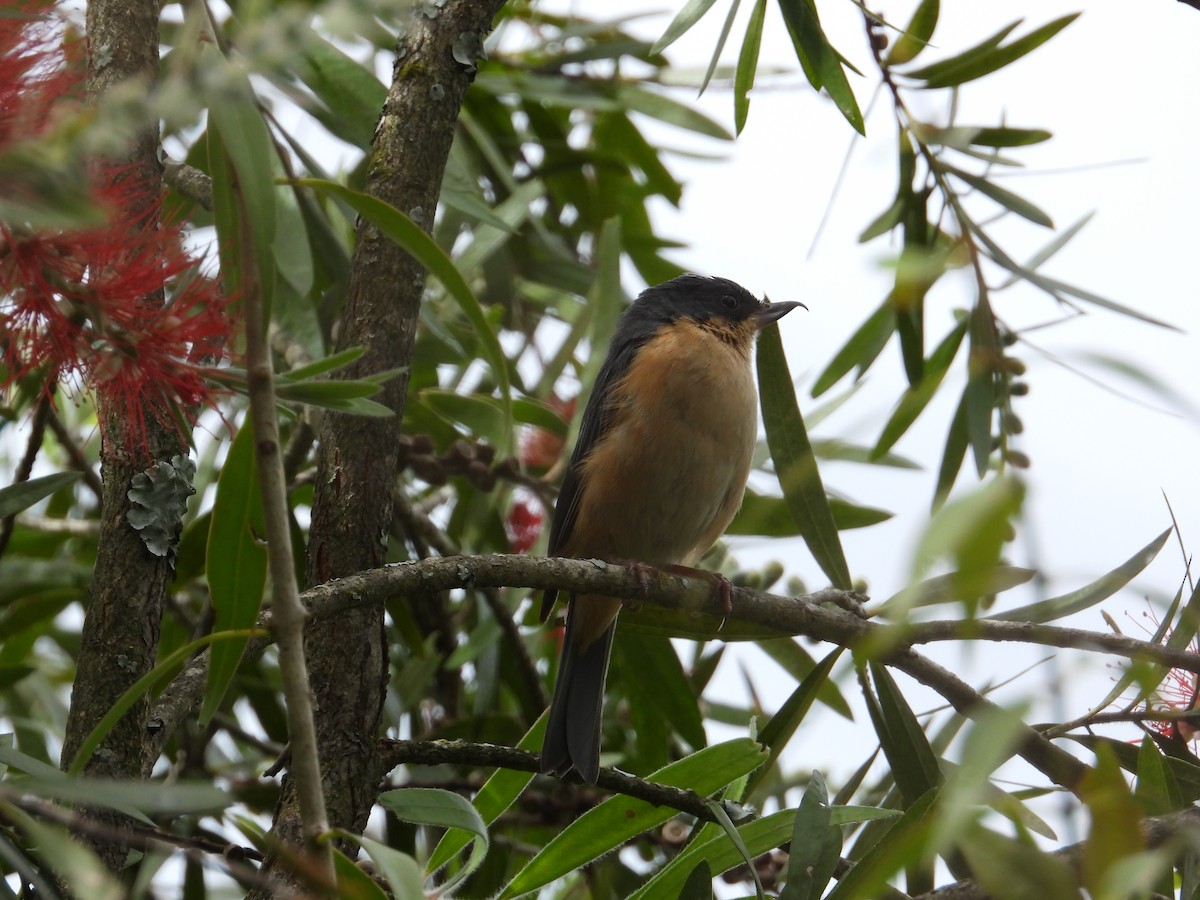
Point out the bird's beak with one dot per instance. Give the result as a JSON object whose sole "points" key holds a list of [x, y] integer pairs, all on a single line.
{"points": [[773, 312]]}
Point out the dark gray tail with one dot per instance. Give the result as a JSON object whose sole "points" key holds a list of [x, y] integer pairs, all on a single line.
{"points": [[573, 730]]}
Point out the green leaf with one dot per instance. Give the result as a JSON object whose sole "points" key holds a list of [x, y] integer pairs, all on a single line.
{"points": [[953, 455], [67, 857], [1089, 595], [516, 209], [484, 416], [861, 350], [1006, 198], [1061, 239], [1116, 821], [1156, 789], [915, 399], [319, 367], [353, 882], [794, 461], [822, 64], [770, 516], [653, 660], [1187, 775], [747, 64], [237, 132], [798, 663], [236, 564], [691, 13], [620, 818], [693, 626], [1009, 137], [758, 837], [916, 36], [721, 39], [20, 496], [945, 589], [781, 726], [351, 93], [151, 681], [971, 532], [658, 106], [846, 452], [498, 793], [985, 58], [405, 232], [401, 871], [913, 762], [433, 806], [816, 845], [148, 798], [995, 737], [1011, 869], [902, 845]]}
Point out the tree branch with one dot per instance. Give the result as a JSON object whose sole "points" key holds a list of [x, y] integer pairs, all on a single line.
{"points": [[817, 615], [464, 753]]}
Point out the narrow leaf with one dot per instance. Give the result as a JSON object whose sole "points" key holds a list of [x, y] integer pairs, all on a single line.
{"points": [[19, 497], [433, 806], [1006, 198], [721, 39], [236, 564], [620, 818], [861, 350], [1089, 595], [691, 13], [914, 764], [916, 36], [747, 65], [498, 793], [794, 461], [816, 845], [405, 232], [822, 64], [989, 57]]}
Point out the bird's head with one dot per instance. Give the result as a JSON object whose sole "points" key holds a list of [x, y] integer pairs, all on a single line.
{"points": [[722, 306]]}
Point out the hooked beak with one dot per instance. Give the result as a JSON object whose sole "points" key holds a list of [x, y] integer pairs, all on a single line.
{"points": [[773, 312]]}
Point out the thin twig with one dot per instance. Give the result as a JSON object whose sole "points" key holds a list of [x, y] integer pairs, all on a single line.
{"points": [[226, 857], [37, 431], [74, 453], [289, 615]]}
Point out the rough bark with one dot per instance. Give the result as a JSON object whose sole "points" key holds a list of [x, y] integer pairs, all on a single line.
{"points": [[352, 507], [125, 599]]}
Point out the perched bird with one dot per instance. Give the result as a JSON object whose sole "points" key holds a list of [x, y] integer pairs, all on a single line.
{"points": [[657, 474]]}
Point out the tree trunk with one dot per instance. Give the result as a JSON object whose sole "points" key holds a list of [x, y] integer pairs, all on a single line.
{"points": [[125, 600], [352, 508]]}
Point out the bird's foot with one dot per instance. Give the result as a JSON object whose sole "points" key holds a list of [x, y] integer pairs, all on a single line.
{"points": [[646, 575], [722, 587]]}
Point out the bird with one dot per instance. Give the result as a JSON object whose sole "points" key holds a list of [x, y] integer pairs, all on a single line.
{"points": [[656, 476]]}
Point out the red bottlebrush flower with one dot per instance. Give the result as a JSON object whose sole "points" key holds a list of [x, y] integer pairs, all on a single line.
{"points": [[35, 74], [523, 525], [1178, 692], [118, 308], [539, 448]]}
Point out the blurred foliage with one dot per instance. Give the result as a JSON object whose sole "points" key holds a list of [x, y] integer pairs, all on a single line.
{"points": [[545, 214]]}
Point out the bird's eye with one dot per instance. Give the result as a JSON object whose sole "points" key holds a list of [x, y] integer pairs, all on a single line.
{"points": [[729, 301]]}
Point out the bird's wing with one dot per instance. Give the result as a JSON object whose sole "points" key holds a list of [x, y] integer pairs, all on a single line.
{"points": [[597, 419]]}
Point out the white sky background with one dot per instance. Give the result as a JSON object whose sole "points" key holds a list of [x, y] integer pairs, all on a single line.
{"points": [[1117, 85]]}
